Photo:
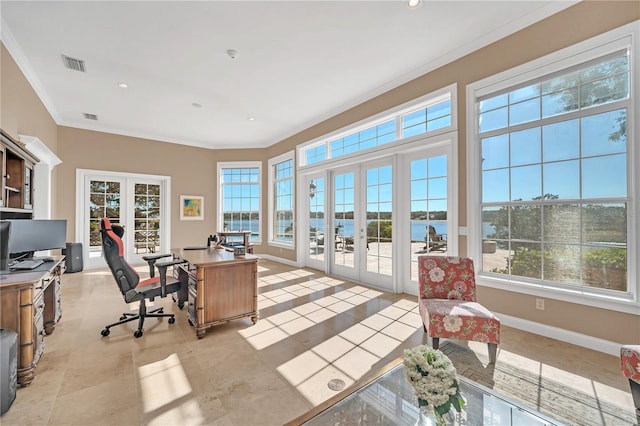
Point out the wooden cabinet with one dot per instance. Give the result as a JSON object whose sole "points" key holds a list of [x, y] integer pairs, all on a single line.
{"points": [[17, 175], [220, 287], [31, 306]]}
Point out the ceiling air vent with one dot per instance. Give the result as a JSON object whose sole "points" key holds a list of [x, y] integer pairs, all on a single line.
{"points": [[73, 64], [90, 116]]}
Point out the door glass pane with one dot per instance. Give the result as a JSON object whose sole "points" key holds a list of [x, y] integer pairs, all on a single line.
{"points": [[379, 216], [343, 219], [317, 232], [104, 201], [146, 218], [428, 209]]}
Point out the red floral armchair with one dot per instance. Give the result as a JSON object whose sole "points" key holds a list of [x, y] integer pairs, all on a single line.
{"points": [[630, 364], [447, 303]]}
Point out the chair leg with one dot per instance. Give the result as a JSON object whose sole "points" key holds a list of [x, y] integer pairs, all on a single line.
{"points": [[635, 394], [435, 342], [493, 352]]}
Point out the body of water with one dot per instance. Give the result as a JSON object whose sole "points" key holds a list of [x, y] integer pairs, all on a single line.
{"points": [[418, 227]]}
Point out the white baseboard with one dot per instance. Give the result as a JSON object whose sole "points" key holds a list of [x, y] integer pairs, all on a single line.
{"points": [[278, 259], [589, 342]]}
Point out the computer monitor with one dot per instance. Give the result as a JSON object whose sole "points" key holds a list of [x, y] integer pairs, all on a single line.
{"points": [[5, 233], [31, 235]]}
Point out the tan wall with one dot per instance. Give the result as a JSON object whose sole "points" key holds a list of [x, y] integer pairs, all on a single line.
{"points": [[23, 113], [193, 169]]}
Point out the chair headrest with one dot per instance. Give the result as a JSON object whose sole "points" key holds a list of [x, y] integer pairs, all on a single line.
{"points": [[117, 229]]}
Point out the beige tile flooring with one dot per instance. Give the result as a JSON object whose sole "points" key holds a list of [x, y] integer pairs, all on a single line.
{"points": [[312, 328]]}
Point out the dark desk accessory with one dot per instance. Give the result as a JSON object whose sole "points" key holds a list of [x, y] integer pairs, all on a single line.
{"points": [[212, 239], [195, 248]]}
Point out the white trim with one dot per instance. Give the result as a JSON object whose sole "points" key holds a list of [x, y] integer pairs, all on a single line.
{"points": [[239, 165], [271, 201], [42, 175], [578, 339], [626, 36], [281, 260]]}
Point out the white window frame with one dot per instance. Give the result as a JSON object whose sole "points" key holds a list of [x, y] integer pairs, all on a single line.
{"points": [[273, 162], [621, 38], [239, 165], [396, 113]]}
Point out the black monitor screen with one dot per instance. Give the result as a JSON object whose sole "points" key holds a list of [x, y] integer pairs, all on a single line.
{"points": [[33, 235], [5, 233]]}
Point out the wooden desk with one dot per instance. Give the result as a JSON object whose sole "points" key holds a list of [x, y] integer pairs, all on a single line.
{"points": [[219, 287], [31, 306]]}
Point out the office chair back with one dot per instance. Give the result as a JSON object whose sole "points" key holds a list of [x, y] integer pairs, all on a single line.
{"points": [[113, 250]]}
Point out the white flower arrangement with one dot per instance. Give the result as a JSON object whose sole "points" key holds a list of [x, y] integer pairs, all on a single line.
{"points": [[434, 379]]}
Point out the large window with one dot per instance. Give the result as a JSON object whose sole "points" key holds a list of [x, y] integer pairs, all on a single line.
{"points": [[281, 195], [554, 167], [240, 197]]}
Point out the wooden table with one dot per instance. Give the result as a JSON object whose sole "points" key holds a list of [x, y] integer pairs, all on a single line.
{"points": [[218, 286]]}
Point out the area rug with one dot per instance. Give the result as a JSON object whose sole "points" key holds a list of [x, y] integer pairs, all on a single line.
{"points": [[558, 401]]}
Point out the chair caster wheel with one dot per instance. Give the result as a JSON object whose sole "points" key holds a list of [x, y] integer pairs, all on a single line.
{"points": [[180, 305], [137, 334], [124, 317], [172, 320], [105, 332]]}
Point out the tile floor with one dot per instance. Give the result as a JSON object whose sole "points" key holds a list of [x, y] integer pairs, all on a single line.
{"points": [[312, 328]]}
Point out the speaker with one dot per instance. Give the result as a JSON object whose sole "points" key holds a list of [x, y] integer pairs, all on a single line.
{"points": [[73, 257], [8, 368]]}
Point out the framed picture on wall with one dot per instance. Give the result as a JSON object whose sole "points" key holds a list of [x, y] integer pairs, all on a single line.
{"points": [[191, 207]]}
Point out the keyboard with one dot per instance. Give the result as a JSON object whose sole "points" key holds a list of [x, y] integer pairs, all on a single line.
{"points": [[27, 264]]}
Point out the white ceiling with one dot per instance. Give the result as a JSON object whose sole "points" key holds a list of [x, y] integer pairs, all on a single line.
{"points": [[298, 62]]}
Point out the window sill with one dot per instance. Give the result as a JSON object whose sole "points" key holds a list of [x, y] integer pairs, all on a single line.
{"points": [[619, 303]]}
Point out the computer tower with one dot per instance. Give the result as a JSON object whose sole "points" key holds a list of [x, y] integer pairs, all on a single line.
{"points": [[8, 368], [73, 257]]}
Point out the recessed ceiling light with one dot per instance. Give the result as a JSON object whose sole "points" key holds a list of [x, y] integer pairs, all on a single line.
{"points": [[414, 3], [252, 119], [196, 105], [123, 85]]}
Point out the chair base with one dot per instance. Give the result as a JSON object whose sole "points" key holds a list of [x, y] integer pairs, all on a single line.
{"points": [[493, 348], [140, 316]]}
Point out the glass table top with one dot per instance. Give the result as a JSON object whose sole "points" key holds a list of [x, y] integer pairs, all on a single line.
{"points": [[390, 400]]}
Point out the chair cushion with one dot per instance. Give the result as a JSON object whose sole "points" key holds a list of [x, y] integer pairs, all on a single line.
{"points": [[630, 361], [151, 286], [446, 277], [459, 320]]}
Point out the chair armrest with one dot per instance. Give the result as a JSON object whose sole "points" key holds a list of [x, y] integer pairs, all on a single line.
{"points": [[151, 260], [162, 271]]}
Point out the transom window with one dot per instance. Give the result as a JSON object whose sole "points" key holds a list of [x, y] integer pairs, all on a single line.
{"points": [[240, 197], [554, 173], [417, 118]]}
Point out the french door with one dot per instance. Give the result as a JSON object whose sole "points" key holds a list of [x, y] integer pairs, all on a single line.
{"points": [[362, 223], [137, 202], [369, 222]]}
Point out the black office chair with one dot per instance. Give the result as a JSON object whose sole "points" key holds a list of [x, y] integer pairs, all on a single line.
{"points": [[131, 286]]}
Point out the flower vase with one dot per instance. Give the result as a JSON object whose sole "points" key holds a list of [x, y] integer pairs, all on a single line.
{"points": [[428, 417]]}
